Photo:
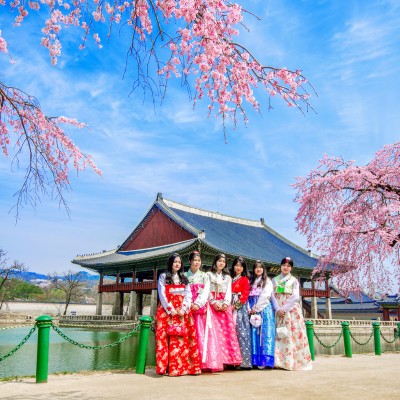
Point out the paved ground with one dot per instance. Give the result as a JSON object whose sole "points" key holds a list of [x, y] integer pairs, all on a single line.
{"points": [[362, 377]]}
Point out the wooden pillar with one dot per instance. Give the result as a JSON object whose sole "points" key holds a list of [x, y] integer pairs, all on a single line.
{"points": [[398, 314], [117, 278], [314, 305], [117, 304], [153, 302], [328, 307], [139, 303], [386, 314], [132, 304], [121, 303], [99, 304]]}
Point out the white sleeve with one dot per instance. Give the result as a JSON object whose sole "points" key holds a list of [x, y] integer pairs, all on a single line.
{"points": [[273, 298], [203, 296], [228, 295], [187, 300], [293, 298], [168, 307], [264, 298], [211, 298]]}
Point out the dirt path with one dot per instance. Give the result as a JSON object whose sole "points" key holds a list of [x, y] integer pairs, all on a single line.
{"points": [[363, 377]]}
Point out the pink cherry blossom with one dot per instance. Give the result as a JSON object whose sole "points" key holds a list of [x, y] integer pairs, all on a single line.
{"points": [[351, 215]]}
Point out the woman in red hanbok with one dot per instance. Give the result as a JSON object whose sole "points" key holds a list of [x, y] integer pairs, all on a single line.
{"points": [[176, 354]]}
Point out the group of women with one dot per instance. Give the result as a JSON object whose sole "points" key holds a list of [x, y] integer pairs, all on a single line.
{"points": [[210, 321]]}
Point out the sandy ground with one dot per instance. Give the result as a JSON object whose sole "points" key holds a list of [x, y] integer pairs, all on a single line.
{"points": [[362, 377]]}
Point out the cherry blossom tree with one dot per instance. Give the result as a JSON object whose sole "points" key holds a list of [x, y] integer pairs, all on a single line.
{"points": [[351, 214], [181, 38]]}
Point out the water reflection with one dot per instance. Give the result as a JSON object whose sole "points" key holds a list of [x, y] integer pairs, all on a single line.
{"points": [[65, 357]]}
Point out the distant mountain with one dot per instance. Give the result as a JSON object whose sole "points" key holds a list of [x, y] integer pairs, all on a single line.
{"points": [[29, 276]]}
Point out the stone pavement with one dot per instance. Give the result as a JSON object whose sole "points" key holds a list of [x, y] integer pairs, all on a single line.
{"points": [[363, 377]]}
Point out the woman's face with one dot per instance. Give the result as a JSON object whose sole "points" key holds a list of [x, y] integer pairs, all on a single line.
{"points": [[176, 265], [221, 264], [258, 270], [238, 269], [195, 263], [286, 268]]}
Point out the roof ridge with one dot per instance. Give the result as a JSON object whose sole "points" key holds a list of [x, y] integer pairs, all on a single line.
{"points": [[283, 238], [160, 201], [93, 255], [156, 247], [138, 224], [212, 214]]}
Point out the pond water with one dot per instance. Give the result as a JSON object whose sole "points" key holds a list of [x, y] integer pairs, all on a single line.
{"points": [[66, 357]]}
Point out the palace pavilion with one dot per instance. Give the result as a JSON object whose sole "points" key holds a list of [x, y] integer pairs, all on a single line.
{"points": [[170, 227]]}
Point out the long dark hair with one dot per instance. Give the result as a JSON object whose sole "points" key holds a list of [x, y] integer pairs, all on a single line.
{"points": [[242, 262], [264, 276], [168, 275], [214, 269]]}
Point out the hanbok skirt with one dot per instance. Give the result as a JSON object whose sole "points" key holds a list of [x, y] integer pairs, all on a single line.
{"points": [[263, 337], [292, 352], [221, 346], [199, 318], [176, 355], [243, 334]]}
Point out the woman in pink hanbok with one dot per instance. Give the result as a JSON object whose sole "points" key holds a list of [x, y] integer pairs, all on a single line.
{"points": [[221, 346], [291, 347], [200, 287]]}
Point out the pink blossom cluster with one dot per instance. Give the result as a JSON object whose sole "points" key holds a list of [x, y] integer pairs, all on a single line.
{"points": [[351, 214], [43, 138], [204, 45], [3, 45]]}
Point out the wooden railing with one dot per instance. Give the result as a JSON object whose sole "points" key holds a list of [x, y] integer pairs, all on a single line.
{"points": [[128, 287], [150, 285], [314, 293]]}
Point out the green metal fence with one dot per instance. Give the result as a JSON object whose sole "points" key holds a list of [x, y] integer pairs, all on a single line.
{"points": [[347, 336], [43, 325]]}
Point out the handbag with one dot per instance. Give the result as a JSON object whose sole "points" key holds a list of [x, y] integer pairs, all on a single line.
{"points": [[282, 332], [256, 320], [176, 328]]}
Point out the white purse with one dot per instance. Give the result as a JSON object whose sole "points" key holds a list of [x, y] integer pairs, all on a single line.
{"points": [[282, 332]]}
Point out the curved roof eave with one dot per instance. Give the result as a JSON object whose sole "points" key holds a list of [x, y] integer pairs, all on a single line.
{"points": [[127, 259]]}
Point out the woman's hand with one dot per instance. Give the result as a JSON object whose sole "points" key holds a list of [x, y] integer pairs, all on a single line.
{"points": [[216, 306], [195, 307], [224, 307], [180, 312], [174, 312], [281, 313]]}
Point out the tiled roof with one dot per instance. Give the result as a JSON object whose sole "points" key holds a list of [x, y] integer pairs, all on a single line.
{"points": [[249, 238], [357, 307], [119, 257], [235, 236]]}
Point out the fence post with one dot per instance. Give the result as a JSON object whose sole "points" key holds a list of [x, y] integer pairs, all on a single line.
{"points": [[43, 324], [145, 324], [310, 337], [377, 338], [346, 338]]}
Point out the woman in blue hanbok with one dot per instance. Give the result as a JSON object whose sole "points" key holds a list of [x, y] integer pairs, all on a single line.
{"points": [[262, 317]]}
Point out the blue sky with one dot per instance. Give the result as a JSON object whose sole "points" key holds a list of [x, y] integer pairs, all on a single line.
{"points": [[350, 52]]}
